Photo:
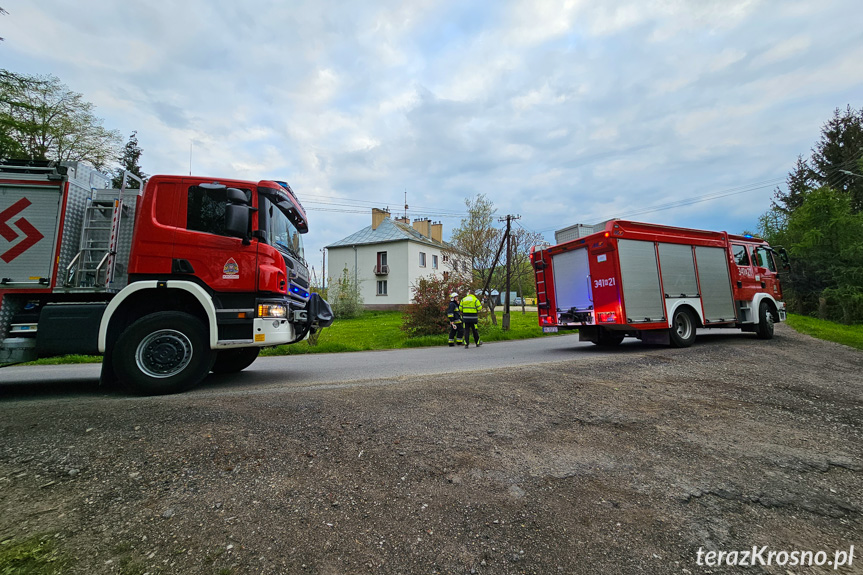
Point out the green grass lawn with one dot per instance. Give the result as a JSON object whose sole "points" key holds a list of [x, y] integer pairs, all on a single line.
{"points": [[381, 330], [850, 335]]}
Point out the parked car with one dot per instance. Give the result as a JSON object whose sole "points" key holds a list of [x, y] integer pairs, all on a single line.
{"points": [[518, 301]]}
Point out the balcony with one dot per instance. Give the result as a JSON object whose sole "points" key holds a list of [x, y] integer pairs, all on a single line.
{"points": [[381, 270]]}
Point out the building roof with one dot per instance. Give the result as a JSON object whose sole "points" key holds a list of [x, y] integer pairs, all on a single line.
{"points": [[388, 231]]}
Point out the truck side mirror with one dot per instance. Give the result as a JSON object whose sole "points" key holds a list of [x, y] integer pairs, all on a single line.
{"points": [[235, 196], [783, 255], [237, 221]]}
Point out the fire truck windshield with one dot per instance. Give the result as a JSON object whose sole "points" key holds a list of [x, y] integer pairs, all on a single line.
{"points": [[281, 232]]}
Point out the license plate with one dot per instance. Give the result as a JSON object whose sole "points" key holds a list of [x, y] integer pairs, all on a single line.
{"points": [[552, 329]]}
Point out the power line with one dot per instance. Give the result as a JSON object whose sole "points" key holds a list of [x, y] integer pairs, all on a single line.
{"points": [[694, 200]]}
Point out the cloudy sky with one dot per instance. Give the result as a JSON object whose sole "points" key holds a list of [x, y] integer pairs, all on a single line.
{"points": [[685, 112]]}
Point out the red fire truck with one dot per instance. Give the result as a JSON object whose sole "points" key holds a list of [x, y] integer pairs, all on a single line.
{"points": [[657, 283], [179, 277]]}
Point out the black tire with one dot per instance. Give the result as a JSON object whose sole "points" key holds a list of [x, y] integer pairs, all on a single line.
{"points": [[682, 330], [764, 329], [234, 360], [608, 338], [164, 352]]}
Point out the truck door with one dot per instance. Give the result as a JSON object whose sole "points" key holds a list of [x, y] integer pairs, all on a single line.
{"points": [[572, 280], [746, 285], [223, 262], [766, 271]]}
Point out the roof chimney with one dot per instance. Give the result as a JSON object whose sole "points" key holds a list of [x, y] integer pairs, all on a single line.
{"points": [[423, 227], [404, 220], [378, 217], [437, 232]]}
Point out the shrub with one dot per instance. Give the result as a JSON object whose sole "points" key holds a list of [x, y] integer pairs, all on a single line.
{"points": [[843, 305], [427, 314], [345, 298]]}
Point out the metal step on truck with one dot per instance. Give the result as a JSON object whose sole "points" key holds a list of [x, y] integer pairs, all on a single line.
{"points": [[657, 283], [169, 280]]}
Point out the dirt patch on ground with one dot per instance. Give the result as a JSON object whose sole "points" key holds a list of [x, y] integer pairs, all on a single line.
{"points": [[620, 464]]}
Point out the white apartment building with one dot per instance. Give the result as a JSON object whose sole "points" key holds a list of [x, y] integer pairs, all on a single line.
{"points": [[388, 257]]}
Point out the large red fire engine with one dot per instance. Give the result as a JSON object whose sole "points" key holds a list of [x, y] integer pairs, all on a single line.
{"points": [[657, 283], [182, 276]]}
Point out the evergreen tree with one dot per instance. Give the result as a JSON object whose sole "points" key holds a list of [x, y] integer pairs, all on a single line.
{"points": [[129, 162], [836, 161], [819, 220]]}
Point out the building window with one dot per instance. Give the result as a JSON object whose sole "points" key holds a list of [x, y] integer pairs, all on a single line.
{"points": [[422, 259], [382, 287], [434, 261], [381, 267], [446, 276], [445, 258]]}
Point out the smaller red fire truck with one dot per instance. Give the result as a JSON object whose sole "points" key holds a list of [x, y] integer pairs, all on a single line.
{"points": [[657, 283], [179, 277]]}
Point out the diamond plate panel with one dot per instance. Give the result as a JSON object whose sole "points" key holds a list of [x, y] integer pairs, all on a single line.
{"points": [[82, 180], [10, 305], [124, 240]]}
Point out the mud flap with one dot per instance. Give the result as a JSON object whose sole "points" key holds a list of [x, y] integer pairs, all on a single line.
{"points": [[655, 337]]}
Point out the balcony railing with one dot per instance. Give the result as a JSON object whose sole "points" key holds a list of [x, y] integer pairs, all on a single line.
{"points": [[381, 270]]}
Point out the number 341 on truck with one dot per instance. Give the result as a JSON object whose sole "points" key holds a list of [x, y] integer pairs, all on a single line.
{"points": [[658, 283]]}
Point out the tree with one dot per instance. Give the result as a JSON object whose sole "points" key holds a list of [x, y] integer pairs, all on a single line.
{"points": [[475, 242], [839, 151], [835, 160], [819, 220], [129, 162], [825, 241], [41, 119], [799, 181], [522, 274]]}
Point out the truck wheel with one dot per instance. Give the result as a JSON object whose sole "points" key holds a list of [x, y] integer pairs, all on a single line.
{"points": [[234, 360], [608, 338], [682, 329], [164, 352], [764, 329]]}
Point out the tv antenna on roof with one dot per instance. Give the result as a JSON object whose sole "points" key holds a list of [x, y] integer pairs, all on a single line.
{"points": [[406, 203]]}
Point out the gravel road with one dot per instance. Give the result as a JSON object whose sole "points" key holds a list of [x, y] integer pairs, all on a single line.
{"points": [[628, 461]]}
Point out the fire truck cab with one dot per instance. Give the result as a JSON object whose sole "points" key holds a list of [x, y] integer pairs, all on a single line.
{"points": [[658, 283], [170, 280]]}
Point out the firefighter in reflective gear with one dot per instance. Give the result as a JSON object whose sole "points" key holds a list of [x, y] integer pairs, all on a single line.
{"points": [[456, 329], [469, 308]]}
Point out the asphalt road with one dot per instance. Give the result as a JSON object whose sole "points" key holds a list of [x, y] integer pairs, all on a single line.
{"points": [[344, 369]]}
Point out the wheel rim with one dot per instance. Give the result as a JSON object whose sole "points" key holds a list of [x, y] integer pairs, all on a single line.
{"points": [[683, 326], [164, 353]]}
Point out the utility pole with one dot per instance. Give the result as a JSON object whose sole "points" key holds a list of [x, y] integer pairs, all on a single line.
{"points": [[505, 323], [324, 270]]}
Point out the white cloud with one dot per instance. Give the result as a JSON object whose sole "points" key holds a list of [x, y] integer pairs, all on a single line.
{"points": [[784, 50], [585, 108]]}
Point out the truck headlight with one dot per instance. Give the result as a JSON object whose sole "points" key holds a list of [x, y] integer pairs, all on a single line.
{"points": [[272, 310]]}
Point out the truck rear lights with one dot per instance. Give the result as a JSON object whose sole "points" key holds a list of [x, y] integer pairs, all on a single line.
{"points": [[606, 317], [272, 310], [546, 320]]}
